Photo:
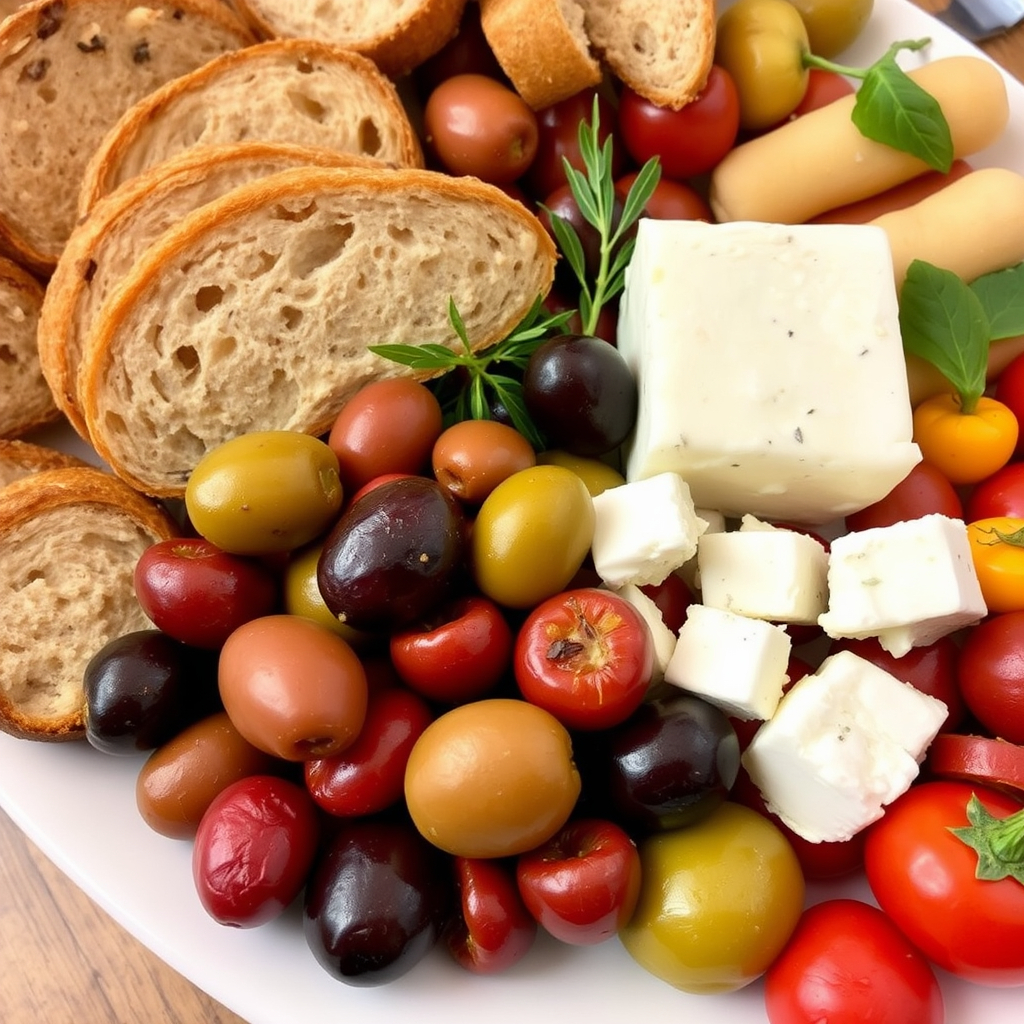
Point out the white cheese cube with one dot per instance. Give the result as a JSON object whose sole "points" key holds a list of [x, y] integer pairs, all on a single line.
{"points": [[690, 572], [644, 530], [764, 572], [843, 744], [770, 366], [736, 663], [663, 637], [907, 584]]}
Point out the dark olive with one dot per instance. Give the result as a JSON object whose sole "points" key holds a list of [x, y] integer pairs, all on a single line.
{"points": [[393, 555]]}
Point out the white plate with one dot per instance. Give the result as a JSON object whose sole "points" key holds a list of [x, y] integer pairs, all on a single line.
{"points": [[79, 807]]}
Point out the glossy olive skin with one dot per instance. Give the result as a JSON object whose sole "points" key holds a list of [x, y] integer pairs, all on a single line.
{"points": [[471, 458], [143, 688], [581, 394], [302, 594], [264, 492], [393, 555], [598, 476], [375, 902], [832, 25]]}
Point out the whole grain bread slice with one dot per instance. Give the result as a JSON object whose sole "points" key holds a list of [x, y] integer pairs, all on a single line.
{"points": [[104, 247], [68, 70], [256, 311], [287, 90], [397, 36], [69, 541], [19, 459]]}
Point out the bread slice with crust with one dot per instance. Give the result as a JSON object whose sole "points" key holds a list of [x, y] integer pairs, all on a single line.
{"points": [[397, 36], [68, 70], [256, 311], [287, 90], [104, 247], [19, 459], [69, 541]]}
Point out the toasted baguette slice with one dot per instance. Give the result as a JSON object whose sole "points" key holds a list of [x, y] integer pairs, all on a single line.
{"points": [[256, 311], [25, 399], [542, 46], [397, 36], [19, 459], [103, 248], [287, 90], [69, 541], [662, 49], [68, 70]]}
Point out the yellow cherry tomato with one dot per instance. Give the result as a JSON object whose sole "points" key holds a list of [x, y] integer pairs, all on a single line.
{"points": [[965, 447], [997, 549]]}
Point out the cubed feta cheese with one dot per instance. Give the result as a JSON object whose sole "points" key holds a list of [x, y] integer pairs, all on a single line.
{"points": [[843, 744], [770, 366], [907, 584], [663, 637], [644, 530], [730, 660], [689, 571]]}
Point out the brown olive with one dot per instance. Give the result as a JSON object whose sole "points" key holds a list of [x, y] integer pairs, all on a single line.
{"points": [[180, 779], [492, 778], [475, 125], [472, 457]]}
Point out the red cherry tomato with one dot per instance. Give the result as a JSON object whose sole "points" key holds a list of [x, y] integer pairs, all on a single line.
{"points": [[586, 656], [253, 850], [670, 200], [1010, 391], [582, 885], [494, 930], [672, 597], [923, 877], [1001, 494], [457, 656], [979, 760], [924, 490], [846, 963], [991, 674], [368, 776], [199, 594], [689, 141]]}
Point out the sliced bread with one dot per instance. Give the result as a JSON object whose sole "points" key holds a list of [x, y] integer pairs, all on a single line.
{"points": [[288, 90], [542, 46], [68, 70], [25, 399], [397, 36], [104, 247], [662, 49], [256, 311], [69, 541], [19, 459]]}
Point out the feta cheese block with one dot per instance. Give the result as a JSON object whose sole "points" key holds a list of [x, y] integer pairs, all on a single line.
{"points": [[644, 530], [663, 637], [769, 364], [737, 663], [907, 584], [764, 572], [843, 744]]}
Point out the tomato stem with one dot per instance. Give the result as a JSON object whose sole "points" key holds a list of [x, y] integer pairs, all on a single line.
{"points": [[812, 60], [999, 842]]}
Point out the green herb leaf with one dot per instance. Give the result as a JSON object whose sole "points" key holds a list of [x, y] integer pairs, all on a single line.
{"points": [[571, 246], [510, 394], [943, 322], [1002, 296], [418, 357], [999, 842], [639, 193]]}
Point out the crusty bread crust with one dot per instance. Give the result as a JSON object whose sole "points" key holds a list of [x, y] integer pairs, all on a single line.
{"points": [[542, 46], [19, 459], [256, 311], [397, 37], [69, 541], [287, 90], [103, 248]]}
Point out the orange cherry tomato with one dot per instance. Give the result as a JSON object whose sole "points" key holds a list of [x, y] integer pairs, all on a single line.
{"points": [[997, 548], [966, 447]]}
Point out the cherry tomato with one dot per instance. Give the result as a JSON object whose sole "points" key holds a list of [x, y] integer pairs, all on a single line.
{"points": [[670, 200], [991, 674], [253, 850], [369, 775], [493, 930], [997, 550], [823, 88], [671, 597], [1010, 391], [979, 760], [689, 141], [586, 656], [1001, 494], [966, 447], [846, 963], [458, 655], [924, 490], [923, 877]]}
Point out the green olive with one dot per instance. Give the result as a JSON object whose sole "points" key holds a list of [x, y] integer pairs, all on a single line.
{"points": [[597, 475], [302, 595], [264, 492], [531, 535], [718, 901], [832, 25], [761, 44]]}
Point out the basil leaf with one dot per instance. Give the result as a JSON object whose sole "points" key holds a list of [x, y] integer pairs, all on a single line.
{"points": [[943, 322], [1002, 295], [893, 109]]}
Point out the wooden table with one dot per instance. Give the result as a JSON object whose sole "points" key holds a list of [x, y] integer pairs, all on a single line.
{"points": [[66, 962]]}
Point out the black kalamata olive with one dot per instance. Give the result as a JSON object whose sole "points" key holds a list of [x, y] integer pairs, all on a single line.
{"points": [[393, 555]]}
